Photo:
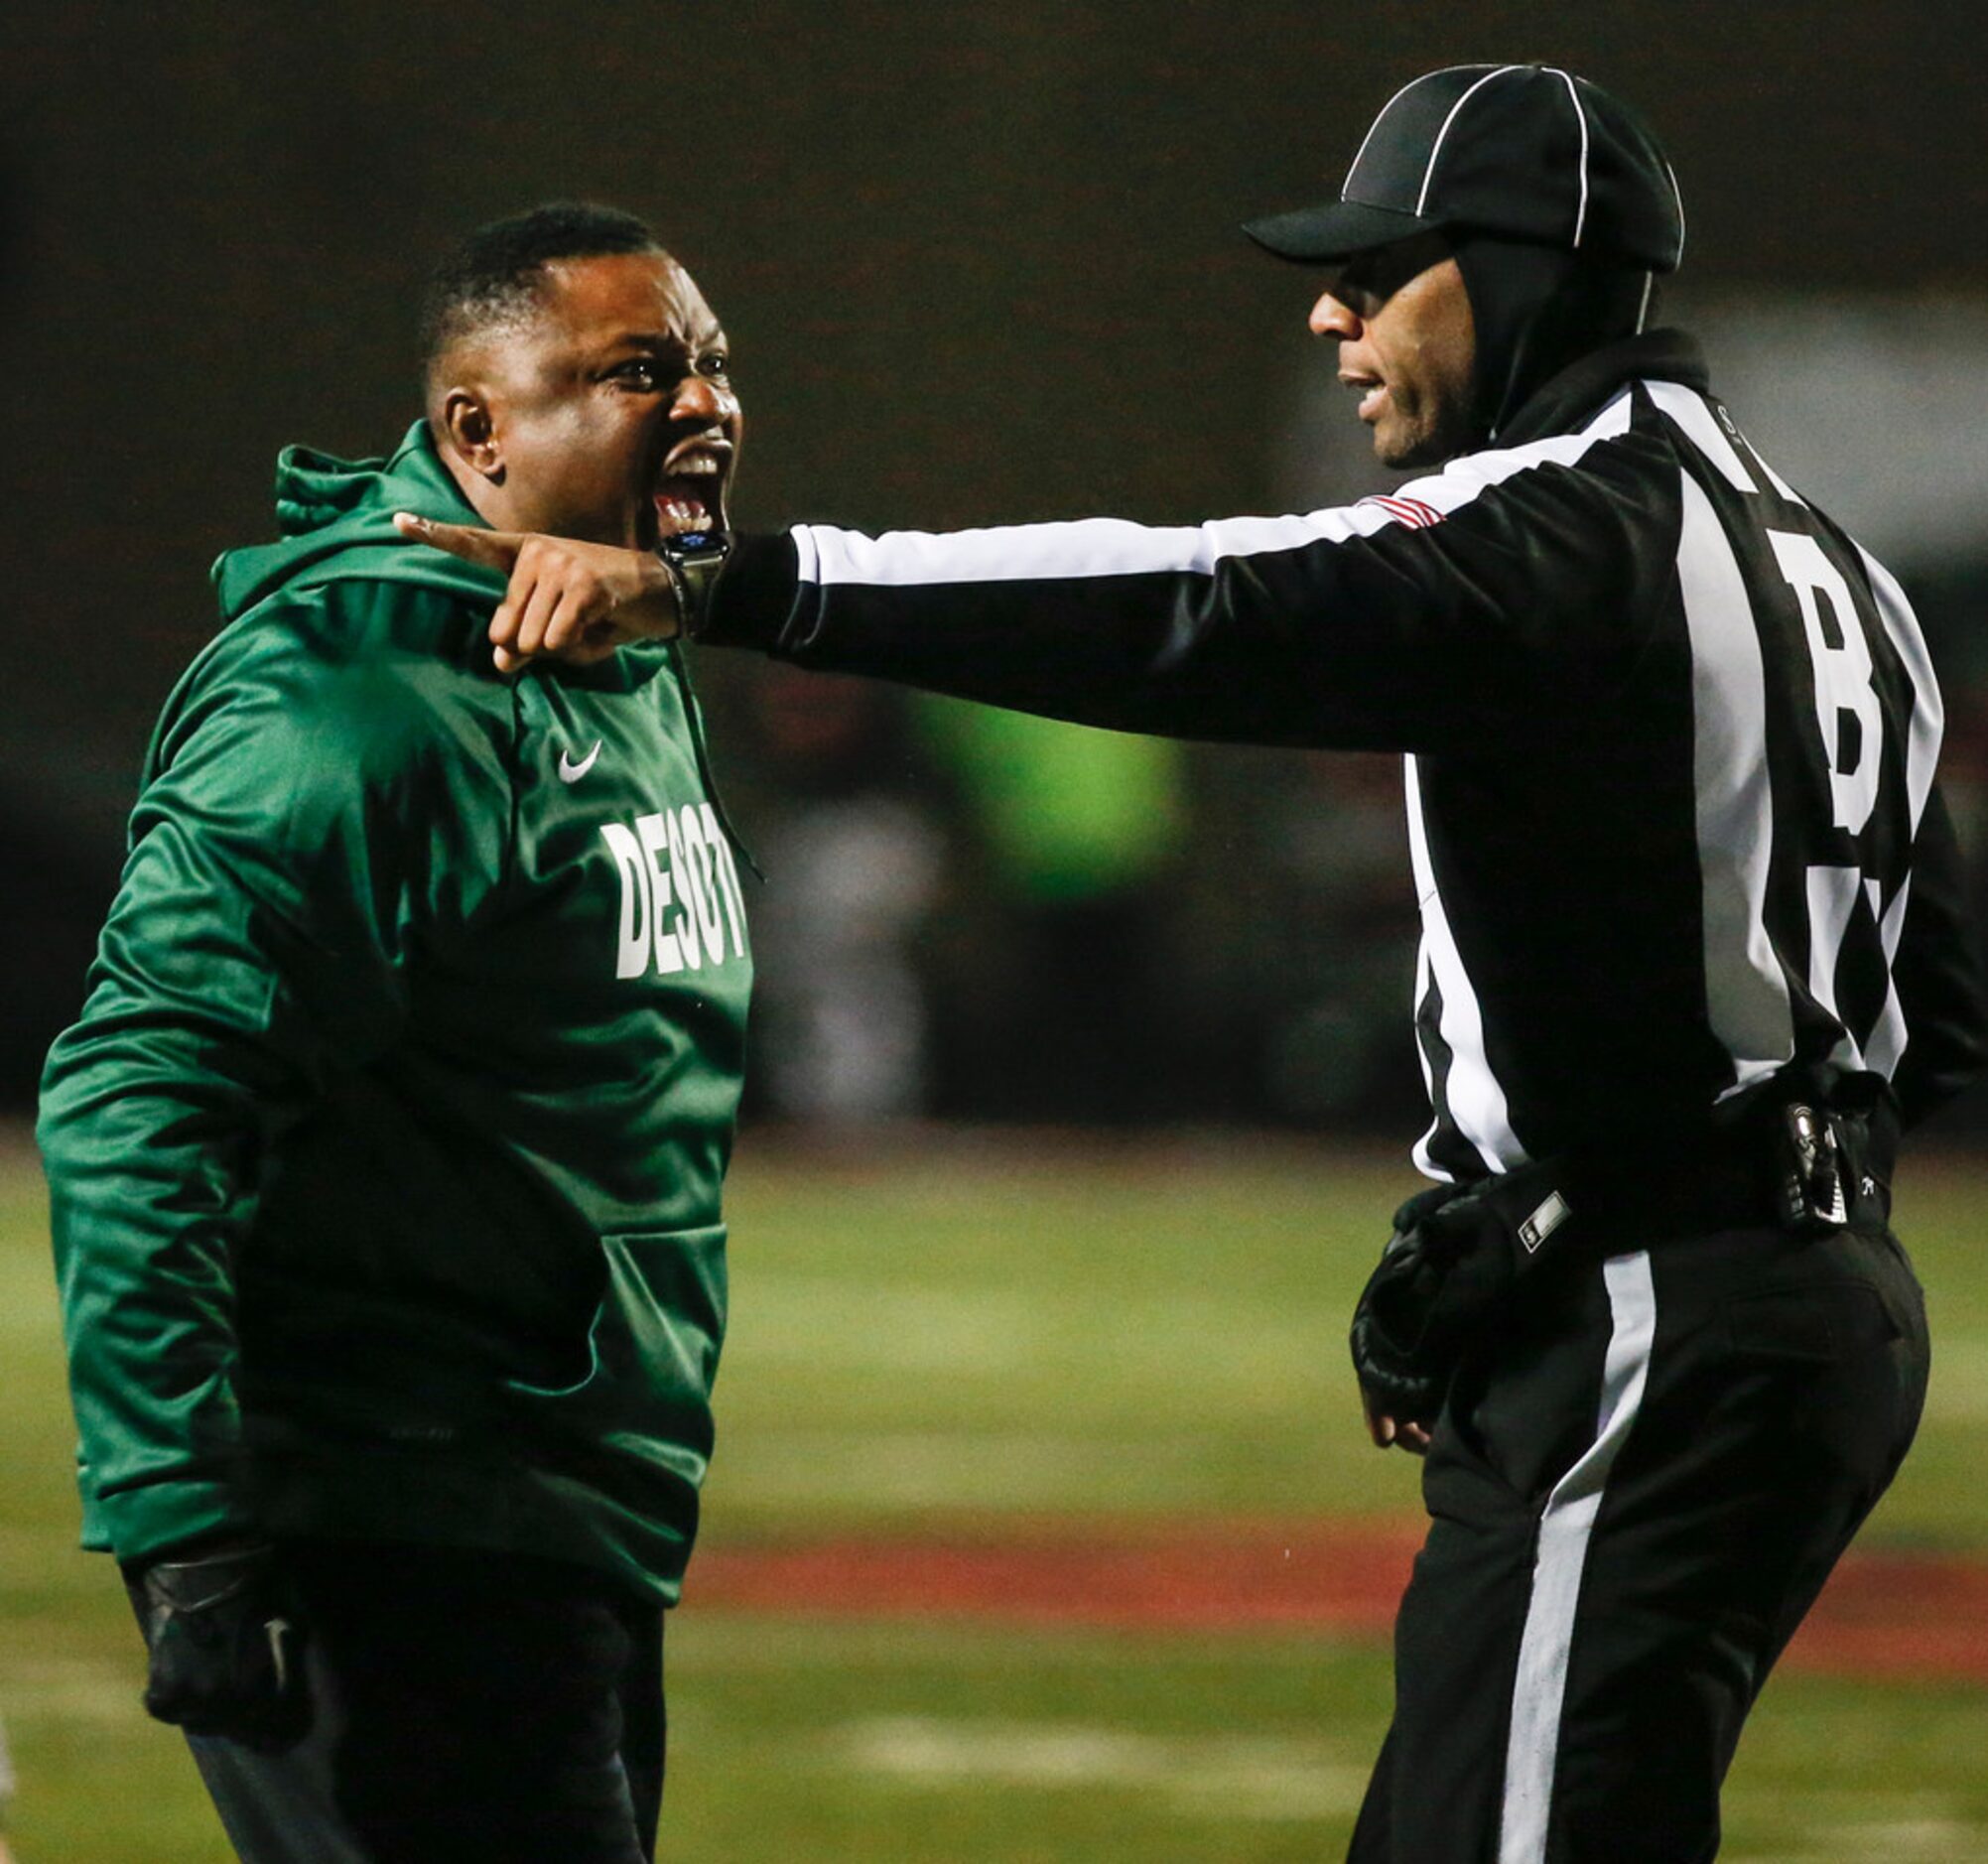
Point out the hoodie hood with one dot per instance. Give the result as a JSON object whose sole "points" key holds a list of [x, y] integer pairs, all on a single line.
{"points": [[1535, 310], [336, 520]]}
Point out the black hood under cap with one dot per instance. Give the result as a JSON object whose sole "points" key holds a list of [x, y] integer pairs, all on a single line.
{"points": [[1537, 309]]}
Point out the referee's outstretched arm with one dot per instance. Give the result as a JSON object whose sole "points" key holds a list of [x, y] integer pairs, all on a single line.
{"points": [[1470, 603]]}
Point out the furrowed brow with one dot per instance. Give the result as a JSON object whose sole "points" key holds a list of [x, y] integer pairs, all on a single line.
{"points": [[660, 343]]}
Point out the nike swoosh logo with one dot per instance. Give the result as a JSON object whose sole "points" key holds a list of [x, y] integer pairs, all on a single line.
{"points": [[570, 772]]}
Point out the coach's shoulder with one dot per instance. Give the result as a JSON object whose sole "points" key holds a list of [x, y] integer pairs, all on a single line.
{"points": [[368, 679]]}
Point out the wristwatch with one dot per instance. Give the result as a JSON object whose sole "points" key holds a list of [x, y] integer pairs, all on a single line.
{"points": [[693, 559]]}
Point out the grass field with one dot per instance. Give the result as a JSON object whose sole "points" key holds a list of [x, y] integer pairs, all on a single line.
{"points": [[963, 1338]]}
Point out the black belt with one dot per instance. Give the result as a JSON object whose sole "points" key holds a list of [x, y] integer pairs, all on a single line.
{"points": [[1792, 1164]]}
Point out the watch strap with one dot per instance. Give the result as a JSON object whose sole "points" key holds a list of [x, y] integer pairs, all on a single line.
{"points": [[693, 559]]}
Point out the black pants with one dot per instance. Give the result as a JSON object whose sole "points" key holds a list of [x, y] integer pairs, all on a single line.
{"points": [[470, 1706], [1634, 1495]]}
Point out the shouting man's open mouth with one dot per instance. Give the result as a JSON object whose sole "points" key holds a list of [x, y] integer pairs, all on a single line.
{"points": [[690, 491]]}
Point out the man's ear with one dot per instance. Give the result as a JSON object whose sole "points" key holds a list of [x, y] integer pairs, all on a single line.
{"points": [[466, 421]]}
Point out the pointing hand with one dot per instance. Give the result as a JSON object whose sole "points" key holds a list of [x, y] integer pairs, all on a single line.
{"points": [[570, 601]]}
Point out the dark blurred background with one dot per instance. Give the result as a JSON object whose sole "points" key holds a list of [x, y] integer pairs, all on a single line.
{"points": [[977, 264]]}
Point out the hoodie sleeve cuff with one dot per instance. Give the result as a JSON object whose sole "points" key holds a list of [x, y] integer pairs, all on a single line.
{"points": [[141, 1524], [753, 596]]}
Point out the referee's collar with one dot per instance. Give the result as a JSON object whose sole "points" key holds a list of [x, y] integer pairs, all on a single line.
{"points": [[1560, 402]]}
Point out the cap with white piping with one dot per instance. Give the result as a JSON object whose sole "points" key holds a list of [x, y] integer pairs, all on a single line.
{"points": [[1528, 152]]}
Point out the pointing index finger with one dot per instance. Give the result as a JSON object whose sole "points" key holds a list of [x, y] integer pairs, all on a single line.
{"points": [[494, 550]]}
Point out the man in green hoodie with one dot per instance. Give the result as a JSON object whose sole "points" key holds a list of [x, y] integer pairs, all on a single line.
{"points": [[386, 1157]]}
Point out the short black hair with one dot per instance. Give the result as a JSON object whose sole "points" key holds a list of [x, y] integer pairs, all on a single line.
{"points": [[496, 274]]}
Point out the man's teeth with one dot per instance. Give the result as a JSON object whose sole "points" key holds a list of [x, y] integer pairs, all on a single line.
{"points": [[683, 511], [686, 492]]}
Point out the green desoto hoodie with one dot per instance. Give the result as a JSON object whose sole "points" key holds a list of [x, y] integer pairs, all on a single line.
{"points": [[386, 1157]]}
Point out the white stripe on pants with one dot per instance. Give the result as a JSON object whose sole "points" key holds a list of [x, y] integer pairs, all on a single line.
{"points": [[1564, 1528]]}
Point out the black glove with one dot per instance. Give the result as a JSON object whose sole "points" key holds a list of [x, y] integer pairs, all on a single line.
{"points": [[226, 1646], [1453, 1258]]}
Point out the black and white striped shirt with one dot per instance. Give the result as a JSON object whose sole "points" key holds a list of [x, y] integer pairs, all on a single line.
{"points": [[1671, 735]]}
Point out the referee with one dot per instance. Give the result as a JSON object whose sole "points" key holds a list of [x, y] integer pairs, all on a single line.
{"points": [[1693, 947]]}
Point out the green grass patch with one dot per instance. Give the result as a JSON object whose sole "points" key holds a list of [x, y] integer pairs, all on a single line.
{"points": [[845, 1744], [982, 1334], [979, 1330]]}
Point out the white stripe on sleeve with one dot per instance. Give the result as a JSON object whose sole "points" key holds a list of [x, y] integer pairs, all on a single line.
{"points": [[1099, 547]]}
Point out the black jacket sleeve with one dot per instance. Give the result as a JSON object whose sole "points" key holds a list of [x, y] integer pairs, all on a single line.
{"points": [[1357, 629]]}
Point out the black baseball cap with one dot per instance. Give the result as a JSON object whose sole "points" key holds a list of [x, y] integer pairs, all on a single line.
{"points": [[1528, 152]]}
